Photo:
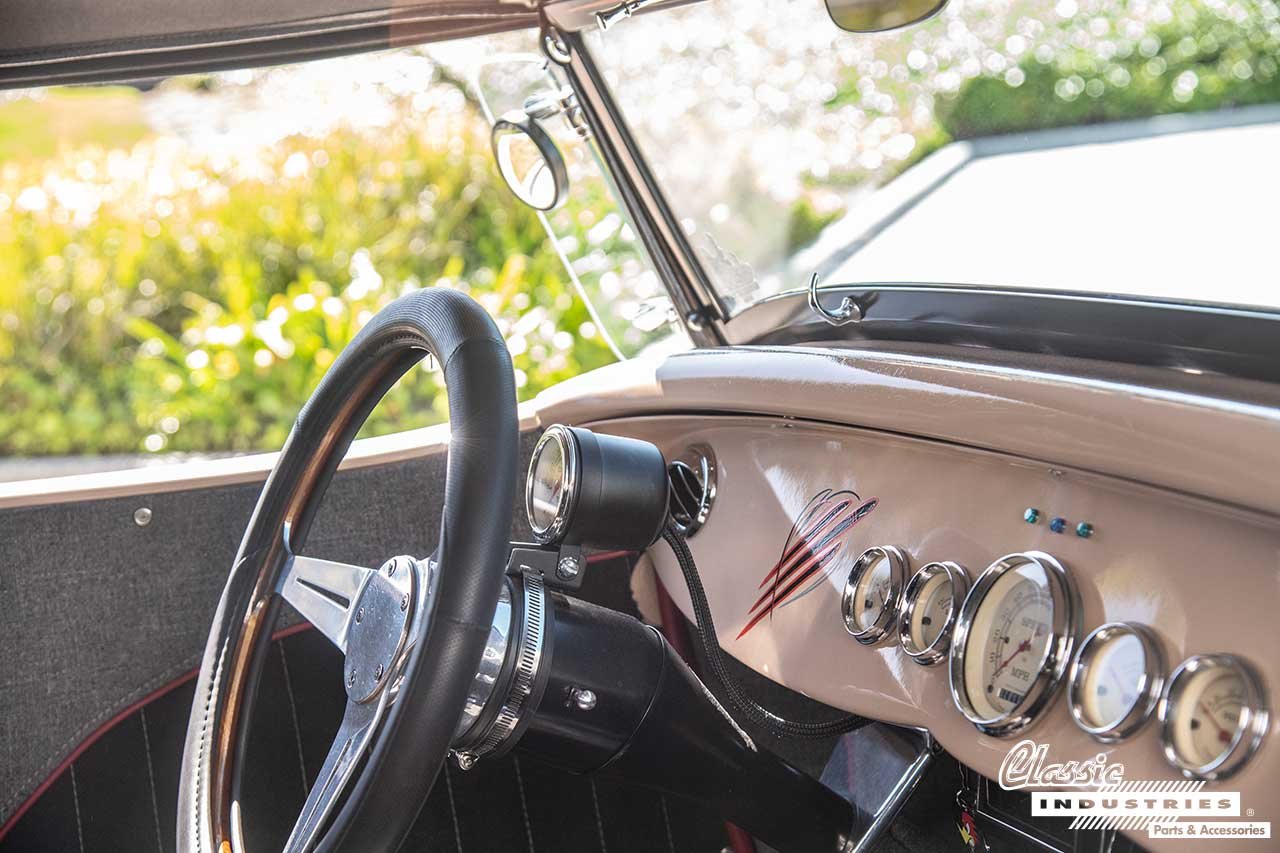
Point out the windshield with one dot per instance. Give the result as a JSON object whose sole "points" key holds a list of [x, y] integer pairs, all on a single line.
{"points": [[1022, 144]]}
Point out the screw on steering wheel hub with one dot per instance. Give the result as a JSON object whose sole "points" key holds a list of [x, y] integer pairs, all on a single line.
{"points": [[376, 639]]}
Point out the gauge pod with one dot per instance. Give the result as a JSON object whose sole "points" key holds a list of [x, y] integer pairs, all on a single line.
{"points": [[872, 592], [930, 605], [600, 491], [1213, 716], [1115, 680], [1013, 642]]}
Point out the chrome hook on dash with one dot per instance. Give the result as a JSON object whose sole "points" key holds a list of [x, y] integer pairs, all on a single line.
{"points": [[848, 312]]}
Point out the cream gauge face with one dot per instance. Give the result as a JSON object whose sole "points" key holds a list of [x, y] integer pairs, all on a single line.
{"points": [[1013, 643], [869, 603], [929, 607], [936, 602], [1112, 686], [872, 593], [1116, 680], [1213, 715], [1205, 731], [1012, 636]]}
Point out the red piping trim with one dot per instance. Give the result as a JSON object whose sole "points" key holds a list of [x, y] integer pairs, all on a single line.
{"points": [[601, 556], [119, 717]]}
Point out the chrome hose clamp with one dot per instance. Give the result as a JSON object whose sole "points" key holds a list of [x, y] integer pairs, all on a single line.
{"points": [[523, 680]]}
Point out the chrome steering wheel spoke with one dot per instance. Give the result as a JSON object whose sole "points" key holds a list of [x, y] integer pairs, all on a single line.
{"points": [[370, 616], [359, 723], [325, 593]]}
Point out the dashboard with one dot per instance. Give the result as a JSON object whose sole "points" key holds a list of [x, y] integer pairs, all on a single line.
{"points": [[990, 599]]}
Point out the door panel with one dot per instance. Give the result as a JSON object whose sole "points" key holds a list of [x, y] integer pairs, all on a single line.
{"points": [[100, 612]]}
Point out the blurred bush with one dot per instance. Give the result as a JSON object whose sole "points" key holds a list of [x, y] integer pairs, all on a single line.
{"points": [[155, 299], [1206, 55]]}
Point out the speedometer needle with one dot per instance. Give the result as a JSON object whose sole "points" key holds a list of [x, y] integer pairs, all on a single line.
{"points": [[1022, 647]]}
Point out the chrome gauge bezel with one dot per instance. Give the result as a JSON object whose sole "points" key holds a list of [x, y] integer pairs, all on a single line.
{"points": [[1149, 688], [1062, 641], [1248, 736], [555, 531], [889, 612], [936, 651]]}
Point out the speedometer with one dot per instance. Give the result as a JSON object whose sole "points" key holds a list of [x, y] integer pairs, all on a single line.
{"points": [[1013, 641]]}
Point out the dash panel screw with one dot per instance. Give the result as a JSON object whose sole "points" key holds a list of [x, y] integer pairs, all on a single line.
{"points": [[142, 516]]}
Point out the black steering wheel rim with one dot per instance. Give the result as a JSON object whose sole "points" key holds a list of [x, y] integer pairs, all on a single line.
{"points": [[413, 738]]}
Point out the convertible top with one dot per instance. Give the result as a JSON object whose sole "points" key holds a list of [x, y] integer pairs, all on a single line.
{"points": [[85, 41]]}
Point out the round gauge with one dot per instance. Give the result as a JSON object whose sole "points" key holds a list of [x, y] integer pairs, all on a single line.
{"points": [[1115, 680], [1213, 716], [1013, 641], [552, 483], [930, 604], [872, 591]]}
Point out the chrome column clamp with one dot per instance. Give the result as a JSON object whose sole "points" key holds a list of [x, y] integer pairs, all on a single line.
{"points": [[527, 632]]}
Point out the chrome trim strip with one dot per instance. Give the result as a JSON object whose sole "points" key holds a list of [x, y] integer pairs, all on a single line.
{"points": [[1062, 640], [1149, 688]]}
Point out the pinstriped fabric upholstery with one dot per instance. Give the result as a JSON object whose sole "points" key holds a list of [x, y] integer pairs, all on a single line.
{"points": [[121, 793]]}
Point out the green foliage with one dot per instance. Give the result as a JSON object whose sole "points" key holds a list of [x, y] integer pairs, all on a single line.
{"points": [[62, 119], [805, 222], [1207, 56], [157, 299]]}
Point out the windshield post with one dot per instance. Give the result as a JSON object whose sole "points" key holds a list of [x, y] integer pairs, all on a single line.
{"points": [[700, 308]]}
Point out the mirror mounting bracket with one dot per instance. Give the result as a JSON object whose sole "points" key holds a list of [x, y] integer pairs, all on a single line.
{"points": [[554, 45], [553, 102]]}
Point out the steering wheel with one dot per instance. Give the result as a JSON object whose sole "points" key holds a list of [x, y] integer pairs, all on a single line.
{"points": [[412, 631]]}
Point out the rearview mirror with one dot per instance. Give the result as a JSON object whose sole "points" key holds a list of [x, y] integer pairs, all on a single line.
{"points": [[529, 161], [877, 16]]}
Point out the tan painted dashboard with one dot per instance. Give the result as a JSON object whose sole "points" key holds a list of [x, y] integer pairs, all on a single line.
{"points": [[1204, 578], [1202, 573]]}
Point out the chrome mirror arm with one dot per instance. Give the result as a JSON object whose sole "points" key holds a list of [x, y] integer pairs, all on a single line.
{"points": [[848, 312]]}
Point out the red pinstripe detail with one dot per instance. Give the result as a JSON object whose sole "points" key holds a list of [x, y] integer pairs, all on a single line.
{"points": [[804, 553], [805, 542]]}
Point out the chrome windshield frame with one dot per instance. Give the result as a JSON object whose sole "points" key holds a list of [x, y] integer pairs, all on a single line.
{"points": [[701, 309]]}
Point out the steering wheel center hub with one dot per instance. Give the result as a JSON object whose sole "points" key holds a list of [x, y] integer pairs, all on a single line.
{"points": [[379, 628]]}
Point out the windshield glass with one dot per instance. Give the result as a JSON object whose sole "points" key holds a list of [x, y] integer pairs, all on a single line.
{"points": [[1117, 148]]}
